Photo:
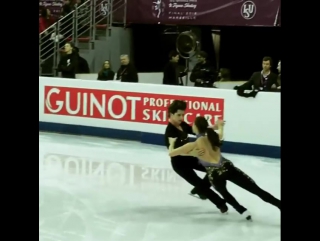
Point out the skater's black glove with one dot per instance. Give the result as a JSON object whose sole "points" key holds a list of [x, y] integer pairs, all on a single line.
{"points": [[241, 93]]}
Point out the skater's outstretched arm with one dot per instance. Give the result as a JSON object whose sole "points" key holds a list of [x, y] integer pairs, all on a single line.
{"points": [[219, 127], [185, 149]]}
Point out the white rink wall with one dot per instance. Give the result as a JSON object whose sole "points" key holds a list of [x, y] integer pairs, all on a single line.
{"points": [[137, 111]]}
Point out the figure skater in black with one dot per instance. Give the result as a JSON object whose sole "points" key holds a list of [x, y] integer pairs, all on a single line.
{"points": [[185, 165], [219, 169]]}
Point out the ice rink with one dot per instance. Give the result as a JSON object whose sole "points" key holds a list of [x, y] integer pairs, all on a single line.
{"points": [[94, 189]]}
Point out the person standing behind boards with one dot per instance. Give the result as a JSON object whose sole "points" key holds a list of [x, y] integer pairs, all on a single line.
{"points": [[203, 74], [127, 72], [69, 62], [172, 71], [260, 80], [83, 66], [106, 72]]}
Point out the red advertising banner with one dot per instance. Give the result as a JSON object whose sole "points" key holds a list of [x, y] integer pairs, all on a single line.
{"points": [[205, 12], [126, 106]]}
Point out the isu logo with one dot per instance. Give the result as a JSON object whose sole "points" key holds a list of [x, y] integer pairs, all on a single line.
{"points": [[248, 10], [104, 8]]}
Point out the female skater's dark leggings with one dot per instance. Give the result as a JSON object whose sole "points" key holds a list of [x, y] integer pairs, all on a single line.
{"points": [[185, 166], [233, 174]]}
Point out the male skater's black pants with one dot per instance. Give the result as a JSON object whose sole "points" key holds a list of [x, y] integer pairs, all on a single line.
{"points": [[233, 174], [185, 166]]}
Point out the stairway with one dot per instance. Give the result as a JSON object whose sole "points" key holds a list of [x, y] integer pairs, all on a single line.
{"points": [[86, 26]]}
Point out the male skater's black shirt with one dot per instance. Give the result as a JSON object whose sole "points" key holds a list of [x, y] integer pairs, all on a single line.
{"points": [[182, 136]]}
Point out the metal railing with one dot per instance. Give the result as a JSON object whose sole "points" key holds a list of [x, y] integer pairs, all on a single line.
{"points": [[81, 22], [71, 26]]}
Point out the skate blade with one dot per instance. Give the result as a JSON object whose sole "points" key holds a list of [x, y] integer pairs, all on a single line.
{"points": [[194, 195]]}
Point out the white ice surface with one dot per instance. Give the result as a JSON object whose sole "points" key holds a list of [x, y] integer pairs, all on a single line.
{"points": [[94, 189]]}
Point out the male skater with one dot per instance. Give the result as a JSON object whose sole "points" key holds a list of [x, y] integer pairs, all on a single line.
{"points": [[185, 165]]}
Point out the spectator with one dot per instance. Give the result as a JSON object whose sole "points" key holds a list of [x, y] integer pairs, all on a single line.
{"points": [[45, 20], [127, 72], [261, 80], [69, 62], [224, 75], [203, 74], [66, 8], [83, 66], [106, 72], [172, 71]]}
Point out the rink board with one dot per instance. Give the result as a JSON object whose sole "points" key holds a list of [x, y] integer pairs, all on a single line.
{"points": [[139, 112]]}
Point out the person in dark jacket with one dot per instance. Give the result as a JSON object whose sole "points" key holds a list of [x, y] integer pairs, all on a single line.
{"points": [[127, 72], [69, 62], [83, 66], [259, 81], [172, 72], [106, 72], [203, 74]]}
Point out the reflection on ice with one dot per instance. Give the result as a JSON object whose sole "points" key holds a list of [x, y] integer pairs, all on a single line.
{"points": [[98, 189]]}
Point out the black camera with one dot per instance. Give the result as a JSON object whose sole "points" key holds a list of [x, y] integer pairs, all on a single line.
{"points": [[207, 77]]}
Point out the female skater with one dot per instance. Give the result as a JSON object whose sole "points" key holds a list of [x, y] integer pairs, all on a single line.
{"points": [[218, 168]]}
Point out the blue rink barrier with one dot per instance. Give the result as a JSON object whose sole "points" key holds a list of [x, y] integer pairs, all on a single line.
{"points": [[156, 139]]}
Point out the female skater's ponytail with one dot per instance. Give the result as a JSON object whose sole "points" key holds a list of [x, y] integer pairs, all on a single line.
{"points": [[213, 137], [202, 125]]}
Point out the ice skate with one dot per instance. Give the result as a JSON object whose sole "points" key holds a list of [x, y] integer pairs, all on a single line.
{"points": [[195, 194]]}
